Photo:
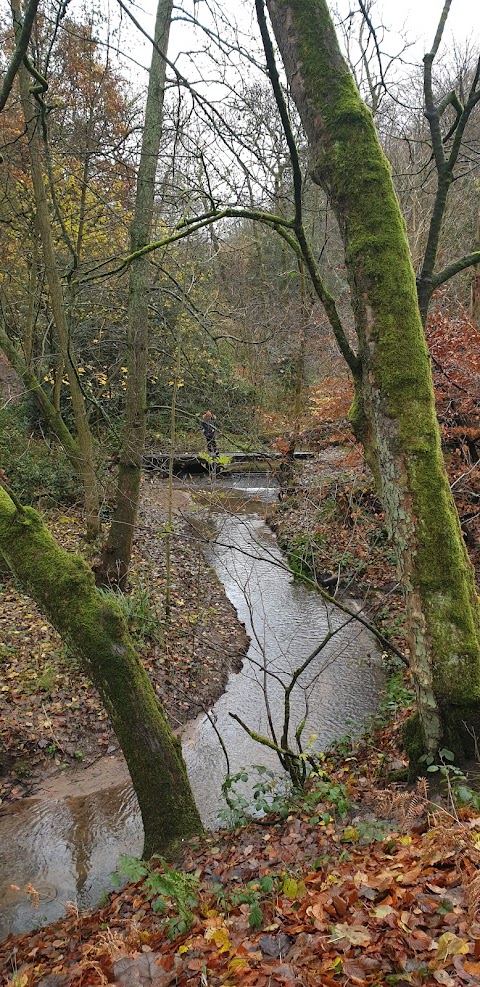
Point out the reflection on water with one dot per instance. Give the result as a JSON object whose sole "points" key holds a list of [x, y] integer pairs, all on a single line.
{"points": [[65, 848], [240, 493], [68, 847], [286, 623]]}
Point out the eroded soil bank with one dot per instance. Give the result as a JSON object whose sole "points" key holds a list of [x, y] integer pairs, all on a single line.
{"points": [[331, 525]]}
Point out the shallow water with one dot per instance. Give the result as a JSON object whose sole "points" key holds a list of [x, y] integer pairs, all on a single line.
{"points": [[286, 623], [66, 847]]}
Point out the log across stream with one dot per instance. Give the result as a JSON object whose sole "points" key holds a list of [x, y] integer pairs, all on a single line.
{"points": [[66, 841]]}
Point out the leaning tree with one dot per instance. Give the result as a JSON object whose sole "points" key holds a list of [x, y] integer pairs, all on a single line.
{"points": [[94, 628]]}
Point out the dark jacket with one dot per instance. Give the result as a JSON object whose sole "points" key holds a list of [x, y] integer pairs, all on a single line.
{"points": [[209, 428]]}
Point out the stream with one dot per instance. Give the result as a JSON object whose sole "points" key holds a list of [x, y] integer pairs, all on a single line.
{"points": [[67, 842]]}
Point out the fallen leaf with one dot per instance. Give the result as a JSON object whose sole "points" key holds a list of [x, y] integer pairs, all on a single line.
{"points": [[472, 967], [381, 911], [451, 945], [220, 938], [357, 935], [444, 978]]}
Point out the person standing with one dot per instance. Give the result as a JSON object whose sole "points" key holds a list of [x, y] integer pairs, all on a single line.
{"points": [[209, 429]]}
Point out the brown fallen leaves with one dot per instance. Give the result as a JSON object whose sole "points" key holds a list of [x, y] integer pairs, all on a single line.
{"points": [[402, 911]]}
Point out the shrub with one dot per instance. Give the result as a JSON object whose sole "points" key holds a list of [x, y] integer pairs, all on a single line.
{"points": [[34, 467]]}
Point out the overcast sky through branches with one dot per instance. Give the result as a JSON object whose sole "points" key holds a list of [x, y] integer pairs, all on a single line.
{"points": [[416, 21]]}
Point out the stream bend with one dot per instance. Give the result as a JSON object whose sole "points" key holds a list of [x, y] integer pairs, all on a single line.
{"points": [[67, 847]]}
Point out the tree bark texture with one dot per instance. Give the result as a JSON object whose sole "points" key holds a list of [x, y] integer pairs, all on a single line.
{"points": [[64, 587], [475, 282], [118, 550], [86, 463], [394, 411]]}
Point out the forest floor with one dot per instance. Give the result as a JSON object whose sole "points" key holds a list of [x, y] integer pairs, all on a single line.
{"points": [[51, 718], [360, 882]]}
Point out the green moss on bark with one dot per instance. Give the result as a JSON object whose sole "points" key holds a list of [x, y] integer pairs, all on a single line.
{"points": [[394, 409], [414, 745], [461, 731], [64, 587]]}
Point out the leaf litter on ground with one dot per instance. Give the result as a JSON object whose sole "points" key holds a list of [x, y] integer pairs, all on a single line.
{"points": [[401, 910]]}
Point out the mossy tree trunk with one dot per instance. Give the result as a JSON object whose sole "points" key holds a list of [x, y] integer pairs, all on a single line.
{"points": [[118, 549], [394, 410], [94, 627]]}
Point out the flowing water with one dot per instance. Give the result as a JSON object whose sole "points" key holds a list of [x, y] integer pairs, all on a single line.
{"points": [[67, 843]]}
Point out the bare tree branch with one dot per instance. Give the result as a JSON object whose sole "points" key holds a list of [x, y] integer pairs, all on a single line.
{"points": [[22, 39]]}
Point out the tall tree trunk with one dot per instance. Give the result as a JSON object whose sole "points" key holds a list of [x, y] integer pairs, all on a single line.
{"points": [[118, 550], [475, 282], [64, 587], [29, 336], [86, 464], [394, 410]]}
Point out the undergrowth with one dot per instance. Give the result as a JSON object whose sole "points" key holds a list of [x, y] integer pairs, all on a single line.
{"points": [[168, 889], [175, 894], [139, 610], [36, 468], [322, 799]]}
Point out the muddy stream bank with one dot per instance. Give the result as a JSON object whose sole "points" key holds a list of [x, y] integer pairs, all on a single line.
{"points": [[66, 840]]}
